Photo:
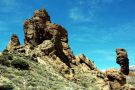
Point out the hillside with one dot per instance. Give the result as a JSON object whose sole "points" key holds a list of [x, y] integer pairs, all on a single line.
{"points": [[40, 76], [46, 62]]}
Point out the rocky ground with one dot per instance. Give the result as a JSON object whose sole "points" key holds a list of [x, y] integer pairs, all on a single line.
{"points": [[46, 62]]}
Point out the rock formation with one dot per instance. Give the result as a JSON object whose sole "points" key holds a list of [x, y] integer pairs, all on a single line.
{"points": [[46, 42], [82, 59], [122, 60], [34, 28], [39, 28], [116, 79], [14, 43]]}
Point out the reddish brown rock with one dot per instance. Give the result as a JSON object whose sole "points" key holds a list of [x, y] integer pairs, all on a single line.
{"points": [[39, 28], [116, 80], [122, 60], [34, 28], [14, 43], [46, 48], [47, 42], [82, 59]]}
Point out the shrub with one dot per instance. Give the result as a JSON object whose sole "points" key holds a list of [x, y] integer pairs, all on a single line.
{"points": [[5, 60], [20, 64], [5, 51], [6, 87]]}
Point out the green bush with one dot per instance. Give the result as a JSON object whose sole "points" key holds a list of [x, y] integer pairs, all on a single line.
{"points": [[5, 60], [20, 64], [6, 87], [5, 51]]}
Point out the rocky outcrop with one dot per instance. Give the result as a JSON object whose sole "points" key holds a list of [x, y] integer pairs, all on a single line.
{"points": [[122, 60], [39, 28], [82, 59], [46, 42], [44, 38], [34, 28], [46, 48], [14, 43], [116, 79]]}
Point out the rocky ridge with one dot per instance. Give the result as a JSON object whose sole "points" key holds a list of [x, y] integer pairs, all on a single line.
{"points": [[46, 42]]}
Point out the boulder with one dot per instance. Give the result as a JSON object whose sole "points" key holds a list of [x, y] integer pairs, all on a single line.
{"points": [[116, 79]]}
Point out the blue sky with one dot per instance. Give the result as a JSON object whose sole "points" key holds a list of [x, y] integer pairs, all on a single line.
{"points": [[96, 27]]}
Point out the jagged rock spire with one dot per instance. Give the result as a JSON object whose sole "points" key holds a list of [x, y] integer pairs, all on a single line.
{"points": [[41, 14], [39, 28], [34, 28], [14, 42], [122, 60]]}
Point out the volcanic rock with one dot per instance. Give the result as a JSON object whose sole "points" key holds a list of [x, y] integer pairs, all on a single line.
{"points": [[47, 43], [82, 59], [117, 80], [14, 43], [39, 28], [46, 48], [122, 60]]}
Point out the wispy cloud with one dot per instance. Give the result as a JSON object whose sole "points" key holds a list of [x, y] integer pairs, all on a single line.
{"points": [[106, 40], [86, 10], [95, 34], [77, 14], [81, 13]]}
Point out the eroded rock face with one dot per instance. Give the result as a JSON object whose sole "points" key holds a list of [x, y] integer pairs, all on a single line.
{"points": [[47, 42], [34, 28], [122, 60], [39, 28], [14, 42], [46, 48], [117, 80], [82, 59]]}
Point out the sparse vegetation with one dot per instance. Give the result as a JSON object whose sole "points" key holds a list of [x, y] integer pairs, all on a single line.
{"points": [[43, 65], [20, 64], [38, 77], [131, 78], [6, 87], [6, 59]]}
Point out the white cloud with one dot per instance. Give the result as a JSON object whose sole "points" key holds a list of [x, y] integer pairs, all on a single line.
{"points": [[81, 13], [95, 34], [77, 14], [86, 10]]}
